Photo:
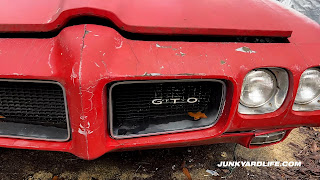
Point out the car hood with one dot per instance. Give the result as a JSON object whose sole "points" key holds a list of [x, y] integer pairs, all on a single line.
{"points": [[204, 17]]}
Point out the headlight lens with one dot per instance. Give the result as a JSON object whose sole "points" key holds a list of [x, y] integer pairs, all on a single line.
{"points": [[258, 87], [309, 86]]}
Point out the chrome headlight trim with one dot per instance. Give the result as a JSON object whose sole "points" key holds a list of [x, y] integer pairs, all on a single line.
{"points": [[310, 105], [274, 90], [275, 102]]}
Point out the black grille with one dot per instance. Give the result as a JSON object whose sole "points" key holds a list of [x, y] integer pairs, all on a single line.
{"points": [[33, 109], [32, 103], [133, 112]]}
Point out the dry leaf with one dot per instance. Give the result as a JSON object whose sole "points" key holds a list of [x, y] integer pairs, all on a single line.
{"points": [[223, 154], [197, 115], [316, 129], [55, 178], [186, 172], [314, 148]]}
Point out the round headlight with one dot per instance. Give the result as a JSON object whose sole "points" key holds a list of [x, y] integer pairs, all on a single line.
{"points": [[309, 86], [258, 88]]}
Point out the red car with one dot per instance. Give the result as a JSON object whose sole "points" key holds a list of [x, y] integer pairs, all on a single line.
{"points": [[90, 77]]}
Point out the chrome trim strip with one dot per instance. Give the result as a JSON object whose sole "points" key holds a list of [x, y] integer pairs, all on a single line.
{"points": [[65, 103], [110, 108], [266, 136]]}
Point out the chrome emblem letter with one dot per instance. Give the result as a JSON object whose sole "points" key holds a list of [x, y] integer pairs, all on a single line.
{"points": [[192, 100], [175, 100], [157, 101]]}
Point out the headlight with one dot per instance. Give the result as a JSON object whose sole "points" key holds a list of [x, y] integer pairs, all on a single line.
{"points": [[263, 91], [258, 87], [309, 86], [308, 94]]}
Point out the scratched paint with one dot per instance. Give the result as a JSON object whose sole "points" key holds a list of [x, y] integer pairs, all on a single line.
{"points": [[55, 14], [49, 59], [119, 42]]}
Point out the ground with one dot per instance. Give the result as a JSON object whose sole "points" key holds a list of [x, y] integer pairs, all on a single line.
{"points": [[169, 163]]}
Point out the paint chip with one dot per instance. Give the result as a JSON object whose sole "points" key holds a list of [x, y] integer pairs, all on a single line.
{"points": [[245, 50], [181, 54], [151, 74], [158, 46]]}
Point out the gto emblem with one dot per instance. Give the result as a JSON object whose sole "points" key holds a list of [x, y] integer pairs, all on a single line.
{"points": [[174, 101]]}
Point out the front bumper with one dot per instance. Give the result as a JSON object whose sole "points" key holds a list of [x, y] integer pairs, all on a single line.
{"points": [[84, 58]]}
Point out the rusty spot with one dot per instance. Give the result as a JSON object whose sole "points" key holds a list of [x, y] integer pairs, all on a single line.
{"points": [[197, 115], [2, 117]]}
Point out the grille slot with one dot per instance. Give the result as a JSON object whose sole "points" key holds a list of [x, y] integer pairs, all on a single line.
{"points": [[33, 109], [134, 114]]}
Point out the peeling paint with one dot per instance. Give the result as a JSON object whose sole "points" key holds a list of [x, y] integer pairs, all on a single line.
{"points": [[83, 117], [90, 99], [245, 50], [120, 42], [96, 64], [84, 131], [105, 65], [73, 75], [158, 46], [161, 67], [151, 74], [181, 54]]}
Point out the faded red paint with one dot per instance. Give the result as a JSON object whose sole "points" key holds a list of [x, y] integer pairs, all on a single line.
{"points": [[84, 58], [141, 16]]}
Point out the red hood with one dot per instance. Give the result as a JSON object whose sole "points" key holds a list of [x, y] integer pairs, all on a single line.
{"points": [[205, 17]]}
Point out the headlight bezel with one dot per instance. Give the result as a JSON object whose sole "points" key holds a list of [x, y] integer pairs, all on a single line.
{"points": [[311, 105], [274, 90], [275, 102]]}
